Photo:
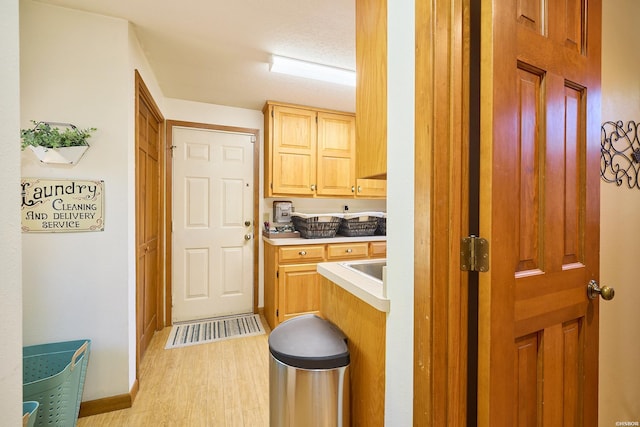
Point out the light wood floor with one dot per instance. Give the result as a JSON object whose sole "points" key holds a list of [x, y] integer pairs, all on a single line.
{"points": [[225, 383]]}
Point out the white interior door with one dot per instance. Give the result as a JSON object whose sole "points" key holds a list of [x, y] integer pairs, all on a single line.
{"points": [[212, 223]]}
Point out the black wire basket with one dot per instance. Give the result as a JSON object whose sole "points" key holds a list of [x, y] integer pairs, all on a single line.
{"points": [[316, 227]]}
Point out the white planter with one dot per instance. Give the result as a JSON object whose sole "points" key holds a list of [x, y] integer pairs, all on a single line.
{"points": [[62, 155]]}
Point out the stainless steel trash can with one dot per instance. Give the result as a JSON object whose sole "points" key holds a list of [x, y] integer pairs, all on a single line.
{"points": [[308, 374]]}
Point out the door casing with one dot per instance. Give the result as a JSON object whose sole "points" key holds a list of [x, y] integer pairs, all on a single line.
{"points": [[168, 211]]}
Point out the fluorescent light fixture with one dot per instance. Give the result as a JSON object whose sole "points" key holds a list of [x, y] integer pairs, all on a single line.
{"points": [[311, 70]]}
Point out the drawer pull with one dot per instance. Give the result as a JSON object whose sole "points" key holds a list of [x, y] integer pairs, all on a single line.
{"points": [[349, 250], [302, 253]]}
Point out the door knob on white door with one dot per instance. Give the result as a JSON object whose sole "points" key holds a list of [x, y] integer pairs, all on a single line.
{"points": [[593, 290], [248, 236]]}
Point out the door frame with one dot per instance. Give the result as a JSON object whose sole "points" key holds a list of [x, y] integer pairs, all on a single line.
{"points": [[142, 92], [170, 124], [441, 187]]}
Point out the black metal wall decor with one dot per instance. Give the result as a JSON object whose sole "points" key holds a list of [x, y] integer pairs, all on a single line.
{"points": [[620, 153]]}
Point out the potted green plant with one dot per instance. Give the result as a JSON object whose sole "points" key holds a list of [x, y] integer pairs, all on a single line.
{"points": [[54, 145]]}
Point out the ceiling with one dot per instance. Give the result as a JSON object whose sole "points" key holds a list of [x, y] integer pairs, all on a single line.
{"points": [[218, 51]]}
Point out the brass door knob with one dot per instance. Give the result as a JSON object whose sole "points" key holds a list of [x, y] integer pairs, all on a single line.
{"points": [[593, 290]]}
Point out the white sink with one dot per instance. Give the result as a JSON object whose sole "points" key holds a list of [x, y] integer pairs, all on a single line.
{"points": [[370, 268]]}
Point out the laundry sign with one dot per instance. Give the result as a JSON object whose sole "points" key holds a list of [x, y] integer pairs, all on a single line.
{"points": [[64, 205]]}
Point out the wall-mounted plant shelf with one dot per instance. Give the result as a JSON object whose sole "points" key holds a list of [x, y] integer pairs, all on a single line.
{"points": [[62, 155], [54, 145]]}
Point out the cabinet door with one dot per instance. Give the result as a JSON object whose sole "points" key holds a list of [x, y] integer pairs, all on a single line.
{"points": [[371, 188], [371, 91], [294, 151], [336, 167], [299, 290]]}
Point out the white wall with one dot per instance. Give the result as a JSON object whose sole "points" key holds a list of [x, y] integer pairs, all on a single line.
{"points": [[75, 67], [619, 399], [400, 218], [10, 249]]}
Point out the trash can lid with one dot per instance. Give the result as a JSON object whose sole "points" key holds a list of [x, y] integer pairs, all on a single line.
{"points": [[309, 342]]}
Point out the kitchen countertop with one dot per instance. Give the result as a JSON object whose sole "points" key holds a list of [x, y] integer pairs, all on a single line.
{"points": [[360, 285], [337, 239]]}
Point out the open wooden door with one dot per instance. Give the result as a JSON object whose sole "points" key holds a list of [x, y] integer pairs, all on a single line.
{"points": [[149, 220], [539, 210]]}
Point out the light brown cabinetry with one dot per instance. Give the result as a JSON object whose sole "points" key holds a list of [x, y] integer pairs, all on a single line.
{"points": [[291, 280], [299, 290], [371, 90], [371, 188], [309, 152], [377, 249], [365, 328]]}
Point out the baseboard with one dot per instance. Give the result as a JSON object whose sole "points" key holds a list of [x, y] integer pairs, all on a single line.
{"points": [[108, 404]]}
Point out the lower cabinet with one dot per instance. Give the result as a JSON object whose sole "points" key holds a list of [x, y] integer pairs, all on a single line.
{"points": [[291, 280], [299, 290]]}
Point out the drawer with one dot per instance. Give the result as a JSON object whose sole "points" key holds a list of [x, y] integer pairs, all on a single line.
{"points": [[377, 249], [301, 253], [348, 250]]}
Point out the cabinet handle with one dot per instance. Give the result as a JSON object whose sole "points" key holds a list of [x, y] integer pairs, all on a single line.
{"points": [[349, 250], [302, 253], [359, 189], [313, 187], [353, 188]]}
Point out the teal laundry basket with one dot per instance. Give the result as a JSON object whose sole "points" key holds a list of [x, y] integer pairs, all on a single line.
{"points": [[53, 375], [29, 413]]}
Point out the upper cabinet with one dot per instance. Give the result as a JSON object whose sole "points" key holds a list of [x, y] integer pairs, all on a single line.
{"points": [[371, 89], [290, 155], [336, 167], [311, 152]]}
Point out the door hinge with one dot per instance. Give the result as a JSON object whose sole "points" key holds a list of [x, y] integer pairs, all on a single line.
{"points": [[474, 254], [277, 274], [277, 313]]}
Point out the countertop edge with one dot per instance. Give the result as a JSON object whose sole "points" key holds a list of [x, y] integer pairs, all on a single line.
{"points": [[367, 290], [338, 239]]}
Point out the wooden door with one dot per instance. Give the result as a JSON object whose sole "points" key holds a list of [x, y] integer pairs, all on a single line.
{"points": [[294, 139], [336, 157], [539, 209], [149, 208], [212, 240]]}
